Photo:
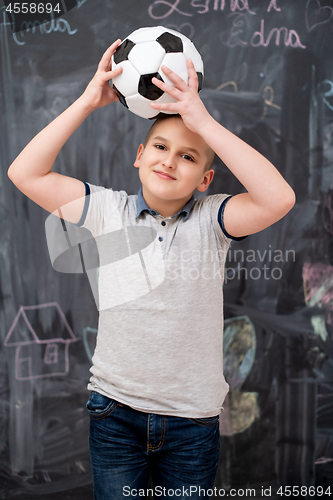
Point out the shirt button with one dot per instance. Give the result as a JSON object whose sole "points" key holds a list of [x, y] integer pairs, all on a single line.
{"points": [[163, 223], [160, 238]]}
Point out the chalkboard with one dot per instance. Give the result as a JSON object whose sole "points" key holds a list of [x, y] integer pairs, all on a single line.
{"points": [[269, 79]]}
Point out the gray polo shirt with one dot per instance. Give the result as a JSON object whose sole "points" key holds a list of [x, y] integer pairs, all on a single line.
{"points": [[160, 333]]}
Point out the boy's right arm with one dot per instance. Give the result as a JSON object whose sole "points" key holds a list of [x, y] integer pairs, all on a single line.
{"points": [[31, 170]]}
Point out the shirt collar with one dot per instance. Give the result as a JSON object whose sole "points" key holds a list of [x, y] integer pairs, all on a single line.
{"points": [[141, 206]]}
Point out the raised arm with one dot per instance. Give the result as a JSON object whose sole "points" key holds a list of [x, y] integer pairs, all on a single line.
{"points": [[269, 197], [31, 170]]}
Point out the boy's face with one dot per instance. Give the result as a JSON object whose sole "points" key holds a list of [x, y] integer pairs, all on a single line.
{"points": [[172, 165]]}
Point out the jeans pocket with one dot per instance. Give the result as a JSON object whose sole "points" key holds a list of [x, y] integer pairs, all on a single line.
{"points": [[206, 421], [100, 406]]}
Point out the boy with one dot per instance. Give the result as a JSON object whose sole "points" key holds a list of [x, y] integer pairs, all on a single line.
{"points": [[157, 384]]}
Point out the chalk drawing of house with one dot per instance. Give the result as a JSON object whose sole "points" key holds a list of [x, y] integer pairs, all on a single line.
{"points": [[41, 336]]}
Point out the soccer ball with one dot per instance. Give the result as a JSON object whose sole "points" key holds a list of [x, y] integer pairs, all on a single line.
{"points": [[141, 56]]}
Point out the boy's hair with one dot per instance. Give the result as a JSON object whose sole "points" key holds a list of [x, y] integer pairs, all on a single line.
{"points": [[210, 154]]}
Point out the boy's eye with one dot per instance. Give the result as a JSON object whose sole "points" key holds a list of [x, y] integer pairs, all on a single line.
{"points": [[160, 146], [188, 157]]}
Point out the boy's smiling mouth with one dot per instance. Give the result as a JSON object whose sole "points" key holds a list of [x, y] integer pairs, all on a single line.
{"points": [[164, 175]]}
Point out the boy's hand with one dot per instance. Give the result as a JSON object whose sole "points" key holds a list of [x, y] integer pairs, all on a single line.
{"points": [[188, 105], [98, 92]]}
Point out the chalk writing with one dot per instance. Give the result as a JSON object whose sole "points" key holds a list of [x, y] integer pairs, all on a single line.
{"points": [[172, 8], [45, 28], [282, 36], [155, 10], [328, 93], [290, 37], [239, 22], [318, 292], [272, 5], [268, 95], [316, 14], [228, 84]]}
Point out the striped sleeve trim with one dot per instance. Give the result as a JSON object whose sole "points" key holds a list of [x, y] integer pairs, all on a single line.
{"points": [[221, 222], [86, 205]]}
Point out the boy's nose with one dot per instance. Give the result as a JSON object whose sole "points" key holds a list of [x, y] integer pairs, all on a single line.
{"points": [[169, 161]]}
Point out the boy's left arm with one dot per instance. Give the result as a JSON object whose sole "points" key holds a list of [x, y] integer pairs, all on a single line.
{"points": [[268, 198]]}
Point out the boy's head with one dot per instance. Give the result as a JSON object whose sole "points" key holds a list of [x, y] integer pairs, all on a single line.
{"points": [[210, 154], [173, 162]]}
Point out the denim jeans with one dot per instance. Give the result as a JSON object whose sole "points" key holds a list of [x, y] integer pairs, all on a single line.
{"points": [[128, 447]]}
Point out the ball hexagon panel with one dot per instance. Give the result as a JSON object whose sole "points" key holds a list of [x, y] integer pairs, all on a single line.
{"points": [[146, 34], [165, 98], [140, 106], [128, 80], [146, 57], [191, 51], [177, 63]]}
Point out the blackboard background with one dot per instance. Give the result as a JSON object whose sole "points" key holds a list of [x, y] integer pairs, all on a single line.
{"points": [[276, 92]]}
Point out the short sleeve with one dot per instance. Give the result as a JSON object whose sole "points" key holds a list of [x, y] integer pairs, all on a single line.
{"points": [[221, 221]]}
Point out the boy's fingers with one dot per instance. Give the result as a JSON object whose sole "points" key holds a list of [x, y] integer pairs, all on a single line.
{"points": [[169, 89], [192, 74], [165, 106], [113, 73], [105, 62], [176, 79]]}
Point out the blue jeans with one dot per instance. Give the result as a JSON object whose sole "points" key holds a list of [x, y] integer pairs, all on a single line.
{"points": [[128, 446]]}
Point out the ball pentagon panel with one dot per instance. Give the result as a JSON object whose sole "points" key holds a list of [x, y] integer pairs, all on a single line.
{"points": [[120, 96], [122, 51], [176, 33], [170, 42], [147, 89]]}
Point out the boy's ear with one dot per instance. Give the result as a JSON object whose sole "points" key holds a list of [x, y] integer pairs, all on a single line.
{"points": [[138, 155], [208, 177]]}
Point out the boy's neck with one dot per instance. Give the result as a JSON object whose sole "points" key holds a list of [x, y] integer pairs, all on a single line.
{"points": [[166, 208]]}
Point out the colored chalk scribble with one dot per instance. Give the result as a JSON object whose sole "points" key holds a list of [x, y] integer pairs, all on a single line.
{"points": [[318, 292], [239, 348], [40, 351]]}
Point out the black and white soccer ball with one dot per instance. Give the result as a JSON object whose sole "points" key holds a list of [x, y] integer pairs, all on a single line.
{"points": [[141, 56]]}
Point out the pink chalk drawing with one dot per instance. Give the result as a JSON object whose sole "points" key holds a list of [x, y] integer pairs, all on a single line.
{"points": [[317, 14], [40, 351], [318, 287]]}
